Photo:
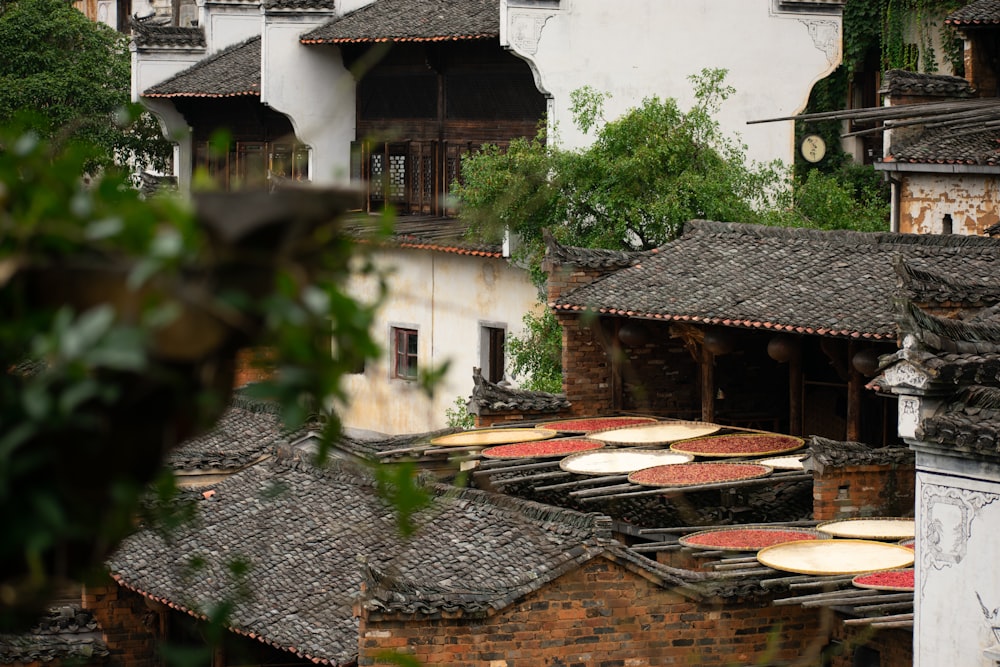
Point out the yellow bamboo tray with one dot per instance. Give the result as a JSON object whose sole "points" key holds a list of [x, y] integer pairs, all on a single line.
{"points": [[655, 434], [594, 424], [784, 462], [870, 528], [823, 557], [492, 436]]}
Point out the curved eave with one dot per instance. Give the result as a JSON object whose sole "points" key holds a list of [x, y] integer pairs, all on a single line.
{"points": [[937, 166], [248, 93], [730, 322], [435, 247], [378, 40], [239, 631]]}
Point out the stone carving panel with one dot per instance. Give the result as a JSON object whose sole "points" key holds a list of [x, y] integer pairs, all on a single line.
{"points": [[526, 30]]}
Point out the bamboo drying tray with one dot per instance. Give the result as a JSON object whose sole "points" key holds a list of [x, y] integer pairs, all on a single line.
{"points": [[739, 444], [823, 557], [870, 528], [655, 434], [492, 436], [620, 461], [544, 449]]}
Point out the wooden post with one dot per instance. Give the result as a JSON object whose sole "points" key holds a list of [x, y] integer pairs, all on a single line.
{"points": [[795, 391], [707, 385], [855, 385]]}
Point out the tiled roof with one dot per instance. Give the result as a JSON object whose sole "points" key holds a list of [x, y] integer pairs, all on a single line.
{"points": [[830, 283], [424, 233], [949, 146], [902, 82], [300, 4], [412, 21], [932, 286], [245, 432], [232, 72], [148, 34], [68, 634], [969, 423], [589, 258], [980, 12], [491, 397], [836, 453], [306, 532]]}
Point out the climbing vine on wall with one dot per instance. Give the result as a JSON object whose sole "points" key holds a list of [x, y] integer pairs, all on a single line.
{"points": [[903, 32]]}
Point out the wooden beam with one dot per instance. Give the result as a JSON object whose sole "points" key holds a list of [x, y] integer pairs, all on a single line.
{"points": [[707, 385], [855, 385]]}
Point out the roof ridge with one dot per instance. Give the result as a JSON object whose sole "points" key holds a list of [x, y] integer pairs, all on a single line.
{"points": [[839, 236]]}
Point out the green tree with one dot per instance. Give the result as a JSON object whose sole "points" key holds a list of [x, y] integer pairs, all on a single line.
{"points": [[646, 173], [72, 76], [122, 319], [536, 356]]}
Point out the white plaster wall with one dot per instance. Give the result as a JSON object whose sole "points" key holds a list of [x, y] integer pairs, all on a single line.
{"points": [[639, 48], [311, 86], [957, 597], [151, 66], [228, 23], [445, 296], [348, 6], [970, 200]]}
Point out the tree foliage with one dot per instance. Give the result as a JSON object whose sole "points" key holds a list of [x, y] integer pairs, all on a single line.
{"points": [[536, 355], [122, 319], [645, 174], [72, 77]]}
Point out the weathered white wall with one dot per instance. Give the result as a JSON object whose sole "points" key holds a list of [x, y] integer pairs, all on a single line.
{"points": [[970, 199], [311, 86], [228, 22], [635, 49], [444, 296], [957, 595]]}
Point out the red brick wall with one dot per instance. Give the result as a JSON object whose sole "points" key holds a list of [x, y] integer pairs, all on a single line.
{"points": [[587, 374], [863, 490], [130, 626], [602, 615]]}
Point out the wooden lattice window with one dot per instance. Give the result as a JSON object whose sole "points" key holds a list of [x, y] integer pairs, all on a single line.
{"points": [[404, 346]]}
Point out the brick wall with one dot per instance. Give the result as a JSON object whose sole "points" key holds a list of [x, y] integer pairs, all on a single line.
{"points": [[842, 492], [130, 626], [894, 646], [587, 369], [602, 615]]}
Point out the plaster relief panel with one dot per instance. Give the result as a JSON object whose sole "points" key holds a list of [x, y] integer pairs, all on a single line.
{"points": [[905, 374], [958, 587], [825, 36], [909, 416], [526, 30]]}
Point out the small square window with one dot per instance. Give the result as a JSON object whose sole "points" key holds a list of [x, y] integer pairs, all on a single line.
{"points": [[404, 348]]}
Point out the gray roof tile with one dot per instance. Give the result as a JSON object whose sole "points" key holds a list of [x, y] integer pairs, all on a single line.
{"points": [[67, 634], [491, 397], [976, 13], [949, 146], [232, 72], [306, 533], [831, 283], [149, 33], [412, 21], [300, 4], [902, 82]]}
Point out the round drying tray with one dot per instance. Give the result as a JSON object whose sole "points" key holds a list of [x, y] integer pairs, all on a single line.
{"points": [[823, 557], [492, 436], [592, 424], [655, 434], [909, 543], [748, 538], [693, 474], [870, 528], [886, 580], [784, 462], [739, 444], [620, 461], [541, 449]]}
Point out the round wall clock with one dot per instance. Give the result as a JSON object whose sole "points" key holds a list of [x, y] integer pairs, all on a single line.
{"points": [[813, 148]]}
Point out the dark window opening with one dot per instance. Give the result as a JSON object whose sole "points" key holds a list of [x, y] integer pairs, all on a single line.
{"points": [[404, 353]]}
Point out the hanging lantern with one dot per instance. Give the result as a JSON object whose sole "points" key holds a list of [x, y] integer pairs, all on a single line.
{"points": [[782, 348], [633, 334], [718, 341], [866, 362]]}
